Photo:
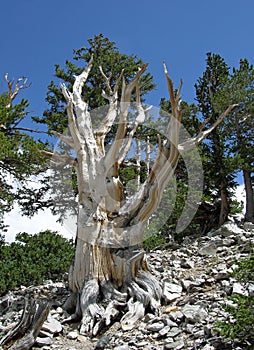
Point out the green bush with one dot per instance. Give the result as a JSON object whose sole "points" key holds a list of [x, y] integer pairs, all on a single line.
{"points": [[31, 259], [153, 241], [240, 329]]}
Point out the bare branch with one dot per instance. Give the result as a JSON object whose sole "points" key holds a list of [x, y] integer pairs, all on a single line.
{"points": [[107, 79], [165, 163], [169, 151], [204, 124], [194, 141], [120, 78], [71, 119], [67, 94], [115, 150], [108, 121], [29, 130], [20, 84], [139, 120], [66, 159], [69, 141], [148, 155], [138, 159], [174, 125], [80, 81], [129, 88], [83, 124], [106, 124]]}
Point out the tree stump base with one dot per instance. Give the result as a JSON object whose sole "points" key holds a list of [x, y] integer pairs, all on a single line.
{"points": [[24, 334], [101, 301]]}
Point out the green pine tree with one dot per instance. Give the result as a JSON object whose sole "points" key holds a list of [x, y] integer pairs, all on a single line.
{"points": [[218, 162], [20, 158], [239, 126]]}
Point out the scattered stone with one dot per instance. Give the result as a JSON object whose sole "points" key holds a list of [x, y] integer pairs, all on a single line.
{"points": [[173, 287], [171, 309], [155, 327], [176, 316], [251, 289], [174, 331], [222, 275], [228, 242], [73, 335], [44, 334], [101, 344], [194, 313], [195, 279], [187, 263], [229, 228], [186, 284], [141, 344], [176, 345], [43, 341], [171, 291], [51, 325], [208, 249], [239, 289], [148, 317], [247, 247], [164, 331], [170, 323], [122, 347], [208, 347], [248, 226]]}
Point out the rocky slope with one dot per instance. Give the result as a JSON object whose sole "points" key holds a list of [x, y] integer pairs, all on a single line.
{"points": [[196, 282]]}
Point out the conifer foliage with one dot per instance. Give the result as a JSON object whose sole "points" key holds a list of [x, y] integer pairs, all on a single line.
{"points": [[20, 159]]}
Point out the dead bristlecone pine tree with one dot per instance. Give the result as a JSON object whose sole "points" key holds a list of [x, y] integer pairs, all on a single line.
{"points": [[110, 274]]}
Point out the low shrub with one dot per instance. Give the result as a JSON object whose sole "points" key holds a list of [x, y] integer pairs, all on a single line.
{"points": [[31, 259], [154, 241], [240, 329]]}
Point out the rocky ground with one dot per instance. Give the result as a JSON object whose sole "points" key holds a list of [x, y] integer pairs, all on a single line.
{"points": [[196, 282]]}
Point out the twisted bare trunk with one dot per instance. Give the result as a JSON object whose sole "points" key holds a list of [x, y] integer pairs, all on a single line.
{"points": [[110, 271]]}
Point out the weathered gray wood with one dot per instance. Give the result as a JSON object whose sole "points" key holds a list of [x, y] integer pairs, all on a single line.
{"points": [[136, 310], [109, 263], [23, 335], [111, 293]]}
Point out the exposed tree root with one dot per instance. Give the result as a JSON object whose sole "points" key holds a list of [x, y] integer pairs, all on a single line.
{"points": [[23, 335], [100, 303], [145, 292]]}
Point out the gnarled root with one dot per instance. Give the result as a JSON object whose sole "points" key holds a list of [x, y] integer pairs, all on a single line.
{"points": [[23, 335], [145, 291], [126, 293], [95, 316], [101, 303]]}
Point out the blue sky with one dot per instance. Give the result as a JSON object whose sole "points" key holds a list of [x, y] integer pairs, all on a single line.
{"points": [[35, 35], [38, 34]]}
